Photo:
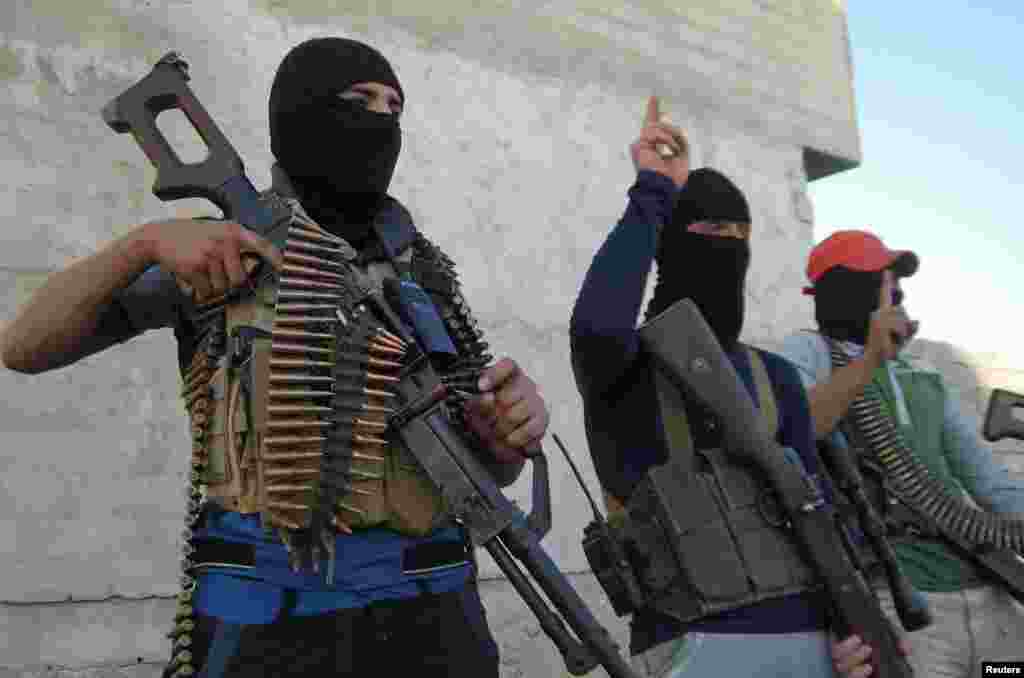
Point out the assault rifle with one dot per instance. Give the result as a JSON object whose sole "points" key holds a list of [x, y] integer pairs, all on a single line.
{"points": [[688, 354], [446, 453]]}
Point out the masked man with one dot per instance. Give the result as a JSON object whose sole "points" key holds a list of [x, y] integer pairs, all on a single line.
{"points": [[862, 327], [696, 226], [400, 598]]}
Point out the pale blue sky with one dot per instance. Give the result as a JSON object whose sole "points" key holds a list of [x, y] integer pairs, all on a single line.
{"points": [[940, 102]]}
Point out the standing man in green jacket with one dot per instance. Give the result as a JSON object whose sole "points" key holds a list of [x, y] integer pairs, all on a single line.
{"points": [[858, 306]]}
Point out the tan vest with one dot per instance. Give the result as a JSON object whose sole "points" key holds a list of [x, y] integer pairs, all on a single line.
{"points": [[265, 454]]}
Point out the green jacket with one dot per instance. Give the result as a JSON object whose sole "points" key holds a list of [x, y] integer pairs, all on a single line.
{"points": [[943, 437]]}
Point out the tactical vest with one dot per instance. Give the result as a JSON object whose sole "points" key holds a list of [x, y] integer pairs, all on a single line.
{"points": [[288, 386], [703, 534]]}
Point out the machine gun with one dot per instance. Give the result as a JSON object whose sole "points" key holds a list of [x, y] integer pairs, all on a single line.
{"points": [[423, 420], [688, 354], [994, 542]]}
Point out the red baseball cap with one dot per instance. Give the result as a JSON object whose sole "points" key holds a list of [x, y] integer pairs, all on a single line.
{"points": [[859, 251]]}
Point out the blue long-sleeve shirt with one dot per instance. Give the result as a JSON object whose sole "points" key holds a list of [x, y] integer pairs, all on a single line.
{"points": [[622, 417]]}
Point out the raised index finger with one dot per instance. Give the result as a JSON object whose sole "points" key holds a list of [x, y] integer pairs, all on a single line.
{"points": [[653, 116], [885, 300]]}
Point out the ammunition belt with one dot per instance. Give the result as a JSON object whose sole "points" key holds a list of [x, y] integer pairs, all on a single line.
{"points": [[211, 345], [331, 369], [435, 272], [913, 483]]}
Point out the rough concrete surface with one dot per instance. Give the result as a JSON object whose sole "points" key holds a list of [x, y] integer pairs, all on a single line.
{"points": [[516, 129]]}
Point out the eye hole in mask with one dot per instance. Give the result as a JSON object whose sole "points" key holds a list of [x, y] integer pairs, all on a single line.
{"points": [[897, 297]]}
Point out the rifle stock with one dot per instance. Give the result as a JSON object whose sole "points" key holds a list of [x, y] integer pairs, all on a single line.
{"points": [[684, 348]]}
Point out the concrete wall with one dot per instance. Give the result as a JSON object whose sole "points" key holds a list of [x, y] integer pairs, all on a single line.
{"points": [[515, 160]]}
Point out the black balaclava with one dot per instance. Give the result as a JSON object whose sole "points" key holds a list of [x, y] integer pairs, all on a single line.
{"points": [[844, 300], [708, 269], [338, 155]]}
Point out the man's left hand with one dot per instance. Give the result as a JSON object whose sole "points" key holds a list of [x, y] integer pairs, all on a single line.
{"points": [[510, 415]]}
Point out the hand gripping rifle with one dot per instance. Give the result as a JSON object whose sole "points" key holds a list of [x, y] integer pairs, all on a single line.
{"points": [[686, 351], [422, 421]]}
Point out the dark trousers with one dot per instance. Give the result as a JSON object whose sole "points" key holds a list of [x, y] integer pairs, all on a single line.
{"points": [[433, 635]]}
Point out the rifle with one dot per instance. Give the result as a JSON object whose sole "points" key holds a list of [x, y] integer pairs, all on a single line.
{"points": [[423, 421], [687, 352], [911, 607]]}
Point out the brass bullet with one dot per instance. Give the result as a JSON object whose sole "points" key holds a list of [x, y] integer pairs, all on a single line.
{"points": [[198, 387], [287, 506], [272, 457], [288, 489], [374, 393], [366, 376], [389, 340], [398, 340], [307, 294], [311, 260], [306, 246], [300, 379], [386, 350], [292, 440], [307, 283], [299, 362], [300, 334], [197, 395], [303, 271], [365, 407], [299, 348], [310, 234], [286, 321]]}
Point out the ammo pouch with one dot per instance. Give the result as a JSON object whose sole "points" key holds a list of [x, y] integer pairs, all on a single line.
{"points": [[700, 534]]}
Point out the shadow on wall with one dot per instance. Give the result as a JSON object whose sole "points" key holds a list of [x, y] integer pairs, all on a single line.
{"points": [[973, 376]]}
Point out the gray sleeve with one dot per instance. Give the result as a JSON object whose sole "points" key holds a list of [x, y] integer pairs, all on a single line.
{"points": [[153, 301], [809, 353], [987, 480]]}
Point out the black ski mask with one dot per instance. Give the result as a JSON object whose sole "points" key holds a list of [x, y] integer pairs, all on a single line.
{"points": [[339, 156], [844, 300], [710, 270]]}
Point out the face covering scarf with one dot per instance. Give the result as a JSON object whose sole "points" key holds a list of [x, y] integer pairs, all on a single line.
{"points": [[339, 156]]}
